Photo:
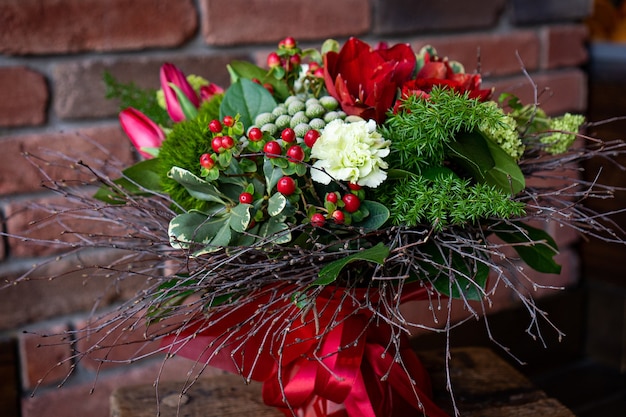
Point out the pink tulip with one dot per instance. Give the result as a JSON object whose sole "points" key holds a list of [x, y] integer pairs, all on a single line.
{"points": [[142, 131], [208, 91], [171, 75]]}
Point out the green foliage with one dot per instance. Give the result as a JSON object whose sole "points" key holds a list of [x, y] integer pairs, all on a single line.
{"points": [[185, 143], [130, 95], [421, 131], [445, 200]]}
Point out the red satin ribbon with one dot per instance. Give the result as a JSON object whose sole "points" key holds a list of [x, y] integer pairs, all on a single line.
{"points": [[306, 369]]}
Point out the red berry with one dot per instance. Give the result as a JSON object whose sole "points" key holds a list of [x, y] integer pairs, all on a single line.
{"points": [[310, 137], [318, 220], [288, 43], [352, 202], [319, 72], [313, 66], [331, 198], [228, 121], [354, 186], [256, 81], [269, 87], [227, 142], [338, 216], [286, 185], [288, 135], [295, 153], [255, 134], [215, 126], [206, 161], [216, 144], [295, 60], [246, 198], [273, 60], [272, 149]]}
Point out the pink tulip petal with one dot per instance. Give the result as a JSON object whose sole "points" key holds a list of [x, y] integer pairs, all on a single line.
{"points": [[142, 132]]}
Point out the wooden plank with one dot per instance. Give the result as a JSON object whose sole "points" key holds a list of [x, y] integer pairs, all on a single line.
{"points": [[483, 383]]}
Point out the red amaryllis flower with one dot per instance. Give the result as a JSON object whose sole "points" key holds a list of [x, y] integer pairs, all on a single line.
{"points": [[143, 132], [438, 72], [365, 80]]}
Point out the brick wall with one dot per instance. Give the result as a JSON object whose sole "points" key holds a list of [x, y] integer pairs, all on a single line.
{"points": [[52, 57]]}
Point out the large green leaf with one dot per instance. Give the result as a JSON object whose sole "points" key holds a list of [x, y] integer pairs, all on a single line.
{"points": [[248, 99], [245, 69], [506, 174], [535, 246], [276, 230], [196, 186], [378, 215], [138, 179], [276, 204], [330, 272], [194, 228], [240, 217]]}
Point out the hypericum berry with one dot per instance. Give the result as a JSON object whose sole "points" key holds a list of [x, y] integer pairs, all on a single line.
{"points": [[246, 198], [338, 216], [352, 202], [228, 121], [272, 149], [269, 87], [255, 134], [206, 161], [273, 60], [295, 153], [318, 220], [288, 135], [288, 43], [295, 60], [311, 137], [332, 198], [227, 142], [216, 144], [215, 126], [286, 185], [354, 186]]}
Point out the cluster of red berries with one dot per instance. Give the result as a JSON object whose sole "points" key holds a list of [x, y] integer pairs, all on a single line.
{"points": [[339, 206], [222, 140]]}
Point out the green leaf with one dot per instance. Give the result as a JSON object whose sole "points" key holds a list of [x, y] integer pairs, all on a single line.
{"points": [[330, 272], [194, 227], [245, 69], [276, 230], [276, 204], [506, 174], [469, 288], [138, 179], [470, 150], [196, 186], [189, 110], [248, 99], [240, 217], [378, 215], [535, 246], [272, 174]]}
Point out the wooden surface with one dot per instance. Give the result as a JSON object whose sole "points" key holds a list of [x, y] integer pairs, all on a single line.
{"points": [[484, 385]]}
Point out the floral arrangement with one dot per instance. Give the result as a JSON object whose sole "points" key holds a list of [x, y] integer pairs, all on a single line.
{"points": [[284, 220]]}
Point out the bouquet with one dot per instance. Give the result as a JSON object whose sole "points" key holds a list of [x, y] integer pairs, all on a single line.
{"points": [[279, 224]]}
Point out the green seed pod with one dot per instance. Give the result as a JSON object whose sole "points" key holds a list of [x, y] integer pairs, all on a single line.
{"points": [[264, 118], [290, 99], [282, 121], [298, 118], [279, 110], [315, 110], [301, 129], [295, 106], [270, 128], [330, 116], [329, 102], [311, 102], [317, 124]]}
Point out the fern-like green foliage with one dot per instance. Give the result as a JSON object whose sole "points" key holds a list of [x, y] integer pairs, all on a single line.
{"points": [[420, 131], [447, 200], [185, 143], [130, 95]]}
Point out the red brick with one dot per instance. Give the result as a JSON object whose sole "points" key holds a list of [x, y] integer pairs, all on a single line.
{"points": [[80, 90], [99, 146], [559, 91], [494, 53], [24, 97], [270, 21], [565, 46], [537, 11], [75, 399], [70, 26], [401, 16], [44, 356], [63, 285]]}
